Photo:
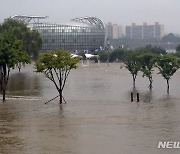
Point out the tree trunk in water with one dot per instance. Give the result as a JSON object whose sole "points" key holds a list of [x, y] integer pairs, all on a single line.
{"points": [[60, 97], [134, 82], [4, 95], [4, 90], [19, 67], [150, 83], [167, 86], [4, 82]]}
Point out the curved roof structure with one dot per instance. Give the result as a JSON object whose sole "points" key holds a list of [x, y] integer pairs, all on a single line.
{"points": [[91, 20], [83, 20], [28, 19]]}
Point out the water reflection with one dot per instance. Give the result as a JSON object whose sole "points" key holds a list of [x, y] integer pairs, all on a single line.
{"points": [[136, 95], [24, 84], [147, 97], [8, 139]]}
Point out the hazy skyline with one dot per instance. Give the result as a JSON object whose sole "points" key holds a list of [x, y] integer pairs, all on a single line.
{"points": [[122, 12]]}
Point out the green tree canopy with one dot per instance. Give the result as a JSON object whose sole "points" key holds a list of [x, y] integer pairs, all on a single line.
{"points": [[10, 54], [103, 55], [117, 54], [31, 39], [167, 65], [177, 51], [131, 62], [178, 48], [151, 49], [56, 65], [147, 63], [170, 38]]}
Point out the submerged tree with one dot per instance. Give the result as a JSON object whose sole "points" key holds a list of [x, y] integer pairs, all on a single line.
{"points": [[56, 65], [167, 65], [131, 62], [10, 54], [147, 63]]}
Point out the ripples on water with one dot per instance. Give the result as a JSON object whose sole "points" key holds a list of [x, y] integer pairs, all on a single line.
{"points": [[98, 117]]}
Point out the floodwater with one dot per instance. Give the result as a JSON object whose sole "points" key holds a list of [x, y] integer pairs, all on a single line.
{"points": [[99, 117]]}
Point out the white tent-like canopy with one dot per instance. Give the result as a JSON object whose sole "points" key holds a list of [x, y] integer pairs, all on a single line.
{"points": [[76, 56], [89, 56]]}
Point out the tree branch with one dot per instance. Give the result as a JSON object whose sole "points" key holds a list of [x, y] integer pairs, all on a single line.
{"points": [[54, 81], [66, 75], [8, 75]]}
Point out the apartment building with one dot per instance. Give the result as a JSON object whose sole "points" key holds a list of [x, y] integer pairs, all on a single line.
{"points": [[145, 31], [113, 31]]}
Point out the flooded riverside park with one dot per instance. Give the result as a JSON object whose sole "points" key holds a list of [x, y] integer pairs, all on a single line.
{"points": [[98, 118]]}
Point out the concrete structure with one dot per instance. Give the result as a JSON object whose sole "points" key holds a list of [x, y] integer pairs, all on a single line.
{"points": [[109, 31], [145, 31], [113, 31], [117, 31]]}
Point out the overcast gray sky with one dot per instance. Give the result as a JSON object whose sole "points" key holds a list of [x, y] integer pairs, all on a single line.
{"points": [[123, 12]]}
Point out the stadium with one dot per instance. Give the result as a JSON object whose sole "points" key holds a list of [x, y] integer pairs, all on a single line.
{"points": [[80, 34]]}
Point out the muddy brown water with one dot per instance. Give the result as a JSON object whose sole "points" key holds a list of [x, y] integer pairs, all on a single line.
{"points": [[98, 118]]}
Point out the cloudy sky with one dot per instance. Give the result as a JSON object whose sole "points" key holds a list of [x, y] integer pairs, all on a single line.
{"points": [[123, 12]]}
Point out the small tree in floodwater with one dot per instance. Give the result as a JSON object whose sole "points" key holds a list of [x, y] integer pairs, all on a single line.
{"points": [[147, 63], [131, 62], [10, 54], [56, 65], [167, 65]]}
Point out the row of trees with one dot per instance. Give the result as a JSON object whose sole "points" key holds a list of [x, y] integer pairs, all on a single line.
{"points": [[145, 59], [167, 65], [56, 65], [119, 53], [18, 44]]}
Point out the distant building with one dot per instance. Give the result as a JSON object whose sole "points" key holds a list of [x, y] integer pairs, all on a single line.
{"points": [[113, 31], [117, 31], [145, 31], [109, 30]]}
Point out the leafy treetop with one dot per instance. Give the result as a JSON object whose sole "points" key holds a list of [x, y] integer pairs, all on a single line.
{"points": [[31, 39], [59, 59], [11, 51], [56, 65], [167, 65]]}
